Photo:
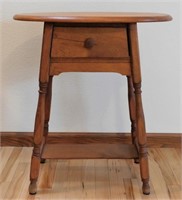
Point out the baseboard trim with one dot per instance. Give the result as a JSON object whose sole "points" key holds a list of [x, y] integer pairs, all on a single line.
{"points": [[156, 140]]}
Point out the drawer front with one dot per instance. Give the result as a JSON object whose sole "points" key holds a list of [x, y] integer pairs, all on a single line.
{"points": [[89, 42]]}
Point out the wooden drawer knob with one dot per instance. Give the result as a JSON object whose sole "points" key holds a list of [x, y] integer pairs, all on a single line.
{"points": [[89, 43]]}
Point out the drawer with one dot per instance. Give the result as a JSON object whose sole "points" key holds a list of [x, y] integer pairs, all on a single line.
{"points": [[89, 42]]}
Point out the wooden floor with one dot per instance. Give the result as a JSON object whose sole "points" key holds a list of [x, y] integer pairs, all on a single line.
{"points": [[90, 179]]}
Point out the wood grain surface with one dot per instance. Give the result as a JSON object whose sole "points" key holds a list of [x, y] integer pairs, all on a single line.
{"points": [[90, 179], [89, 151], [156, 140], [73, 42], [94, 17], [121, 68], [90, 42]]}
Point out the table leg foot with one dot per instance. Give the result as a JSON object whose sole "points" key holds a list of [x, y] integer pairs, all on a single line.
{"points": [[33, 187], [146, 187], [42, 160], [136, 160]]}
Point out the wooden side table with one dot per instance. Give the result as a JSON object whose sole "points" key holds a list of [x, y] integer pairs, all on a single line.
{"points": [[90, 42]]}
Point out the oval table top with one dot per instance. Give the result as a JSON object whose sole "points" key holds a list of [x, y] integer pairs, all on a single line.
{"points": [[94, 17]]}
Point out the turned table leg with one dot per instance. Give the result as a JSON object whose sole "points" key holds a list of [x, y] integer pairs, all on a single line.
{"points": [[42, 113], [47, 113], [38, 133], [140, 121], [132, 112], [142, 140]]}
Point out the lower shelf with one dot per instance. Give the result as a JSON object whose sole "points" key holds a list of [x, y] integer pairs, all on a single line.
{"points": [[89, 151]]}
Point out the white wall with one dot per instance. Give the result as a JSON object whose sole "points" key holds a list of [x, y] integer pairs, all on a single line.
{"points": [[83, 101]]}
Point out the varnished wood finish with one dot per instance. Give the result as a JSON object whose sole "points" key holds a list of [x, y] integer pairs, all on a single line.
{"points": [[122, 68], [92, 150], [69, 42], [40, 119], [59, 65], [91, 60], [72, 42], [94, 17], [91, 179], [154, 140], [132, 111], [47, 112], [140, 120]]}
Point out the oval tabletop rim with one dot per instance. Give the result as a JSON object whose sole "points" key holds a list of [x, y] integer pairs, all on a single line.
{"points": [[94, 17]]}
